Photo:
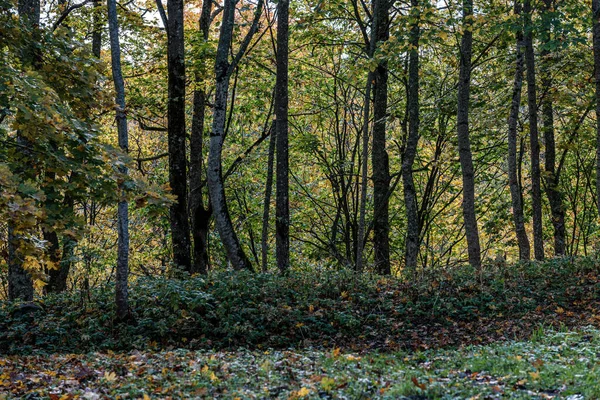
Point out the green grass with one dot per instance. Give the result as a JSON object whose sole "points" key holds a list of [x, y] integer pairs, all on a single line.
{"points": [[554, 364]]}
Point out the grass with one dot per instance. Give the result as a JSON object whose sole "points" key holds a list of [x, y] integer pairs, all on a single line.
{"points": [[553, 364]]}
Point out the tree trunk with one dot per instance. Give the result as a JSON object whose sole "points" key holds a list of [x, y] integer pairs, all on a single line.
{"points": [[264, 245], [464, 144], [200, 214], [282, 220], [536, 196], [410, 195], [178, 213], [513, 179], [596, 45], [216, 187], [380, 161], [551, 177], [97, 29], [122, 273]]}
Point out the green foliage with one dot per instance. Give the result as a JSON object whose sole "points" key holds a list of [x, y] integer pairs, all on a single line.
{"points": [[321, 308]]}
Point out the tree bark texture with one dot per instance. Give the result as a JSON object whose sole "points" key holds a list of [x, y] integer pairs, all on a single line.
{"points": [[200, 214], [178, 213], [122, 273], [413, 224], [513, 178], [464, 143], [551, 177], [264, 243], [380, 160], [282, 217], [536, 196]]}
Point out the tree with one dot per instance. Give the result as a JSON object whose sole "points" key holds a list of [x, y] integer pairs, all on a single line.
{"points": [[513, 178], [551, 178], [199, 213], [282, 224], [216, 187], [413, 225], [464, 144], [178, 213], [379, 155], [122, 273], [536, 197], [596, 45]]}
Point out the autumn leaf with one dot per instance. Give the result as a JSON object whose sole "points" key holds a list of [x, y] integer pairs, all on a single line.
{"points": [[417, 384]]}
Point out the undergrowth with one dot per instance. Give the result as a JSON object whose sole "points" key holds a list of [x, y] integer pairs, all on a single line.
{"points": [[316, 308]]}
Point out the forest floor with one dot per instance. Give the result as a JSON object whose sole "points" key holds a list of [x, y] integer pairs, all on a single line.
{"points": [[551, 364]]}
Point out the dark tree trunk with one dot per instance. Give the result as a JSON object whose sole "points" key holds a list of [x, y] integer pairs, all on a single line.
{"points": [[513, 178], [200, 214], [20, 284], [264, 244], [178, 213], [410, 151], [536, 196], [464, 143], [223, 71], [122, 273], [282, 217], [97, 29], [551, 177], [380, 161], [596, 45]]}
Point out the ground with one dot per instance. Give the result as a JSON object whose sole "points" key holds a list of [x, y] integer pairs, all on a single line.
{"points": [[551, 364]]}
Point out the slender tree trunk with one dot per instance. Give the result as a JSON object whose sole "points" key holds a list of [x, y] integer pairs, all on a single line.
{"points": [[551, 177], [464, 143], [122, 273], [200, 214], [596, 45], [20, 284], [410, 194], [178, 213], [223, 71], [380, 160], [536, 196], [264, 244], [513, 179], [364, 183], [282, 220]]}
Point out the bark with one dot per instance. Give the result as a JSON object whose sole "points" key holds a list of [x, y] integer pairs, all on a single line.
{"points": [[97, 29], [223, 71], [380, 161], [122, 273], [596, 45], [200, 214], [464, 143], [513, 179], [413, 224], [361, 235], [178, 212], [551, 176], [264, 244], [282, 220], [20, 284], [536, 196]]}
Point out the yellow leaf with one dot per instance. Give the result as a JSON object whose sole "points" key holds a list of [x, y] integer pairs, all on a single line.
{"points": [[534, 375], [303, 392], [110, 376], [336, 352], [146, 397], [213, 377], [560, 310]]}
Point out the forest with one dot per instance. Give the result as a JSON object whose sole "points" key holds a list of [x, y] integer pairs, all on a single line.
{"points": [[300, 199]]}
